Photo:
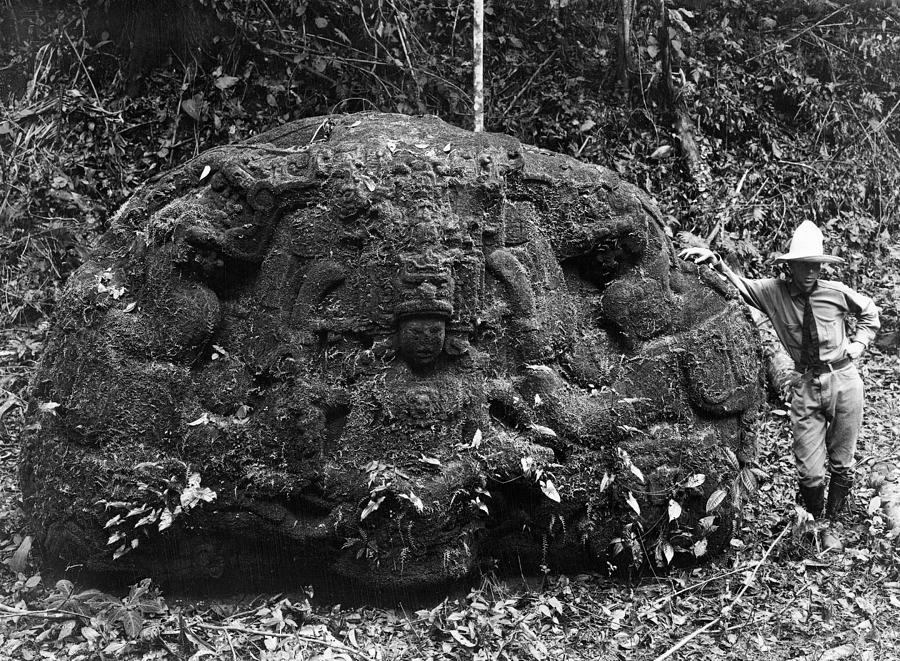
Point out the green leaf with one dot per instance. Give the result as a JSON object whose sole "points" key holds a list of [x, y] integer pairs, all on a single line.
{"points": [[66, 629], [543, 431], [707, 522], [633, 503], [715, 499], [550, 490], [695, 480], [138, 510], [371, 507], [674, 510], [224, 82], [748, 480], [165, 519], [194, 494], [874, 504], [189, 108], [661, 152], [414, 499], [19, 560], [431, 461], [637, 472], [149, 518], [132, 621], [664, 553], [606, 481], [700, 548], [113, 521], [731, 457]]}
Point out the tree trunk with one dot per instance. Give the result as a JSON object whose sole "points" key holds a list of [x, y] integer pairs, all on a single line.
{"points": [[152, 31], [624, 63], [682, 123]]}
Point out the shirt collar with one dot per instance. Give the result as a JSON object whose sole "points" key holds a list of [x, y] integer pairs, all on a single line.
{"points": [[796, 292]]}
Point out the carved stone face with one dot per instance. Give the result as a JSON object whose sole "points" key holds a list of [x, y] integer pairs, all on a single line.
{"points": [[570, 345], [421, 339]]}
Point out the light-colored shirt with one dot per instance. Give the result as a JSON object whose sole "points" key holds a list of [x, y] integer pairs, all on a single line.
{"points": [[830, 301]]}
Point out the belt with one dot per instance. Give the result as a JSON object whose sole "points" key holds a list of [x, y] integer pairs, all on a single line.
{"points": [[823, 368]]}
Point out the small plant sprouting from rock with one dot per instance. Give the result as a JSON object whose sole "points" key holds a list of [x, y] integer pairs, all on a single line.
{"points": [[541, 477], [384, 479], [158, 507]]}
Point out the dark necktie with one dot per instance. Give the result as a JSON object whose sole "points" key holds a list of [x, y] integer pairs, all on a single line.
{"points": [[809, 347]]}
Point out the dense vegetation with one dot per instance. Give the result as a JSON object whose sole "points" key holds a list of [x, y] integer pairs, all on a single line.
{"points": [[741, 118], [791, 106]]}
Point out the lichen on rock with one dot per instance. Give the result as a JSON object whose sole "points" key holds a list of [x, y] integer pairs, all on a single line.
{"points": [[388, 350]]}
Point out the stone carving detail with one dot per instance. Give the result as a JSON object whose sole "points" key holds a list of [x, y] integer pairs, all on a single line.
{"points": [[376, 339]]}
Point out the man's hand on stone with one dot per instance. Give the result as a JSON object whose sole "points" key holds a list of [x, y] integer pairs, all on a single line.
{"points": [[855, 350], [700, 255]]}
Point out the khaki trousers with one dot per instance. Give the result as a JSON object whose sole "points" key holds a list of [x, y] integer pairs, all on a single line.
{"points": [[826, 412]]}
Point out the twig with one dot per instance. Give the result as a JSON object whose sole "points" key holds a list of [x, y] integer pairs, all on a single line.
{"points": [[527, 84], [292, 636], [727, 609], [796, 36], [720, 224], [661, 601], [768, 616], [799, 164], [274, 19], [83, 68], [886, 118], [324, 124], [49, 613], [401, 32], [233, 654], [39, 64], [177, 117]]}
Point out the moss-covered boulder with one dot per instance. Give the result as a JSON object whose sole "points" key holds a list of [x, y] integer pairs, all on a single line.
{"points": [[386, 350]]}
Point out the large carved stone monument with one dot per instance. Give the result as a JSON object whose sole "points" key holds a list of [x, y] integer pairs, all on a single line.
{"points": [[387, 350]]}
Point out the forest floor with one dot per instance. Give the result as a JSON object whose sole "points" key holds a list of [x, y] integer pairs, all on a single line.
{"points": [[774, 595]]}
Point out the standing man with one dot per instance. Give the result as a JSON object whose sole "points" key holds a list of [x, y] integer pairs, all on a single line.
{"points": [[809, 318]]}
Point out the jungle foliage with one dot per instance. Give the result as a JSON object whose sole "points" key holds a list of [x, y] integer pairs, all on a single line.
{"points": [[791, 106]]}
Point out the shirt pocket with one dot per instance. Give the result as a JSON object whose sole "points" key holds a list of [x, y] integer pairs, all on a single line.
{"points": [[832, 334]]}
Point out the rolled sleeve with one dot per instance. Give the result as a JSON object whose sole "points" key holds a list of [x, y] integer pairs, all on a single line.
{"points": [[758, 293]]}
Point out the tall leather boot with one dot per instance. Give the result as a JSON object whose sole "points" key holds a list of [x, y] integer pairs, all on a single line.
{"points": [[813, 499], [838, 491]]}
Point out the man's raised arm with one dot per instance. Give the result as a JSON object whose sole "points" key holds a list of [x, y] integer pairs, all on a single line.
{"points": [[704, 255]]}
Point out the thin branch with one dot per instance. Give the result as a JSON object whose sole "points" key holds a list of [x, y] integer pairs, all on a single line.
{"points": [[784, 43], [727, 609], [84, 68], [527, 84], [48, 613], [293, 636], [274, 18]]}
